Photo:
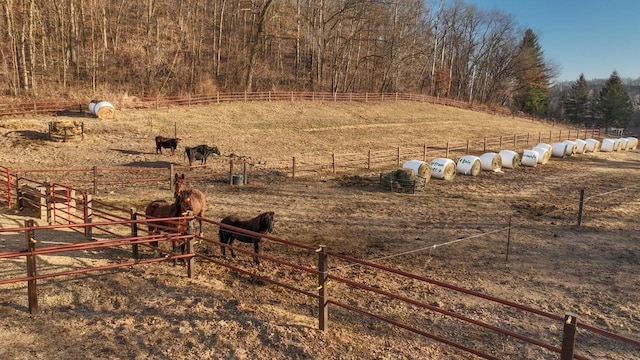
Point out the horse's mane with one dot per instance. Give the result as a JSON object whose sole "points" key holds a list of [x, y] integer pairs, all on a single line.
{"points": [[266, 221]]}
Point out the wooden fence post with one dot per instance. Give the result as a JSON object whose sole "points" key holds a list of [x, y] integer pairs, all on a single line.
{"points": [[9, 188], [19, 203], [230, 171], [95, 180], [485, 145], [333, 162], [135, 248], [49, 197], [580, 207], [468, 144], [424, 152], [323, 310], [32, 289], [191, 263], [514, 140], [369, 159], [568, 336], [245, 179], [500, 147], [171, 177], [293, 168], [398, 155], [88, 215]]}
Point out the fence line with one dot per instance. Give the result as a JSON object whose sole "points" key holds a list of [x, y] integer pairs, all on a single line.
{"points": [[32, 278]]}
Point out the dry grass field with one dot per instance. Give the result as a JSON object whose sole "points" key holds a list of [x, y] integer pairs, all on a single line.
{"points": [[454, 232]]}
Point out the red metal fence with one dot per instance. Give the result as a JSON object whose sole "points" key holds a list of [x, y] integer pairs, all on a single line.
{"points": [[330, 289]]}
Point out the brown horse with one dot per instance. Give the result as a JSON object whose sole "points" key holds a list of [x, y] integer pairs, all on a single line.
{"points": [[162, 209], [262, 223], [193, 199]]}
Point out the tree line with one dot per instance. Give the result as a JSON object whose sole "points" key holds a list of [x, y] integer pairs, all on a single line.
{"points": [[450, 49]]}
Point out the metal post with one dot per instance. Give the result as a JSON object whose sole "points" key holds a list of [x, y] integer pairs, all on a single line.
{"points": [[323, 311], [446, 154], [485, 144], [32, 289], [569, 336], [369, 159], [230, 171], [581, 207], [398, 155]]}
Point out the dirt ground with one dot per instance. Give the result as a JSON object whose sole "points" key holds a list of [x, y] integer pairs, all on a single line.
{"points": [[456, 232]]}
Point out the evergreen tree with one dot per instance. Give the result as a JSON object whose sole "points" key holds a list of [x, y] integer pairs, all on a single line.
{"points": [[578, 103], [532, 79], [614, 104]]}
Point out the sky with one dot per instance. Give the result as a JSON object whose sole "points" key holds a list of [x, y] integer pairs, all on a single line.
{"points": [[592, 37]]}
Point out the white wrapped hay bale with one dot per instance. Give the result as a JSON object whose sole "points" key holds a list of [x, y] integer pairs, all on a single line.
{"points": [[469, 165], [443, 168], [607, 145], [491, 161], [529, 158], [510, 159], [617, 144], [633, 143], [571, 147], [102, 109], [559, 150], [593, 145], [543, 155], [544, 146], [420, 168], [624, 144], [580, 146]]}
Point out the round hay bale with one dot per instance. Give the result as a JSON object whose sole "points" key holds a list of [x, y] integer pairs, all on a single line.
{"points": [[491, 161], [544, 146], [443, 168], [572, 147], [510, 159], [529, 158], [633, 143], [104, 110], [617, 144], [469, 165], [607, 145], [593, 145], [543, 155], [624, 144], [420, 168], [580, 146], [559, 150]]}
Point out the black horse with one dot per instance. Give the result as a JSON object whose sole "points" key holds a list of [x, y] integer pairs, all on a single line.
{"points": [[262, 223]]}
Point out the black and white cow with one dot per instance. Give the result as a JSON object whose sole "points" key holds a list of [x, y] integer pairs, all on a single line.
{"points": [[200, 152], [167, 143]]}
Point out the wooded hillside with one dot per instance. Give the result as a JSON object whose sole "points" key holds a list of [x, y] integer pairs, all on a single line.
{"points": [[150, 47]]}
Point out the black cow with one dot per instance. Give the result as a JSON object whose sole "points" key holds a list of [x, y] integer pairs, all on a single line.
{"points": [[200, 152], [167, 143]]}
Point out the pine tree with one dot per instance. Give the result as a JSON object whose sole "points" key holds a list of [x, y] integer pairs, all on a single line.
{"points": [[614, 104], [578, 103], [532, 80]]}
